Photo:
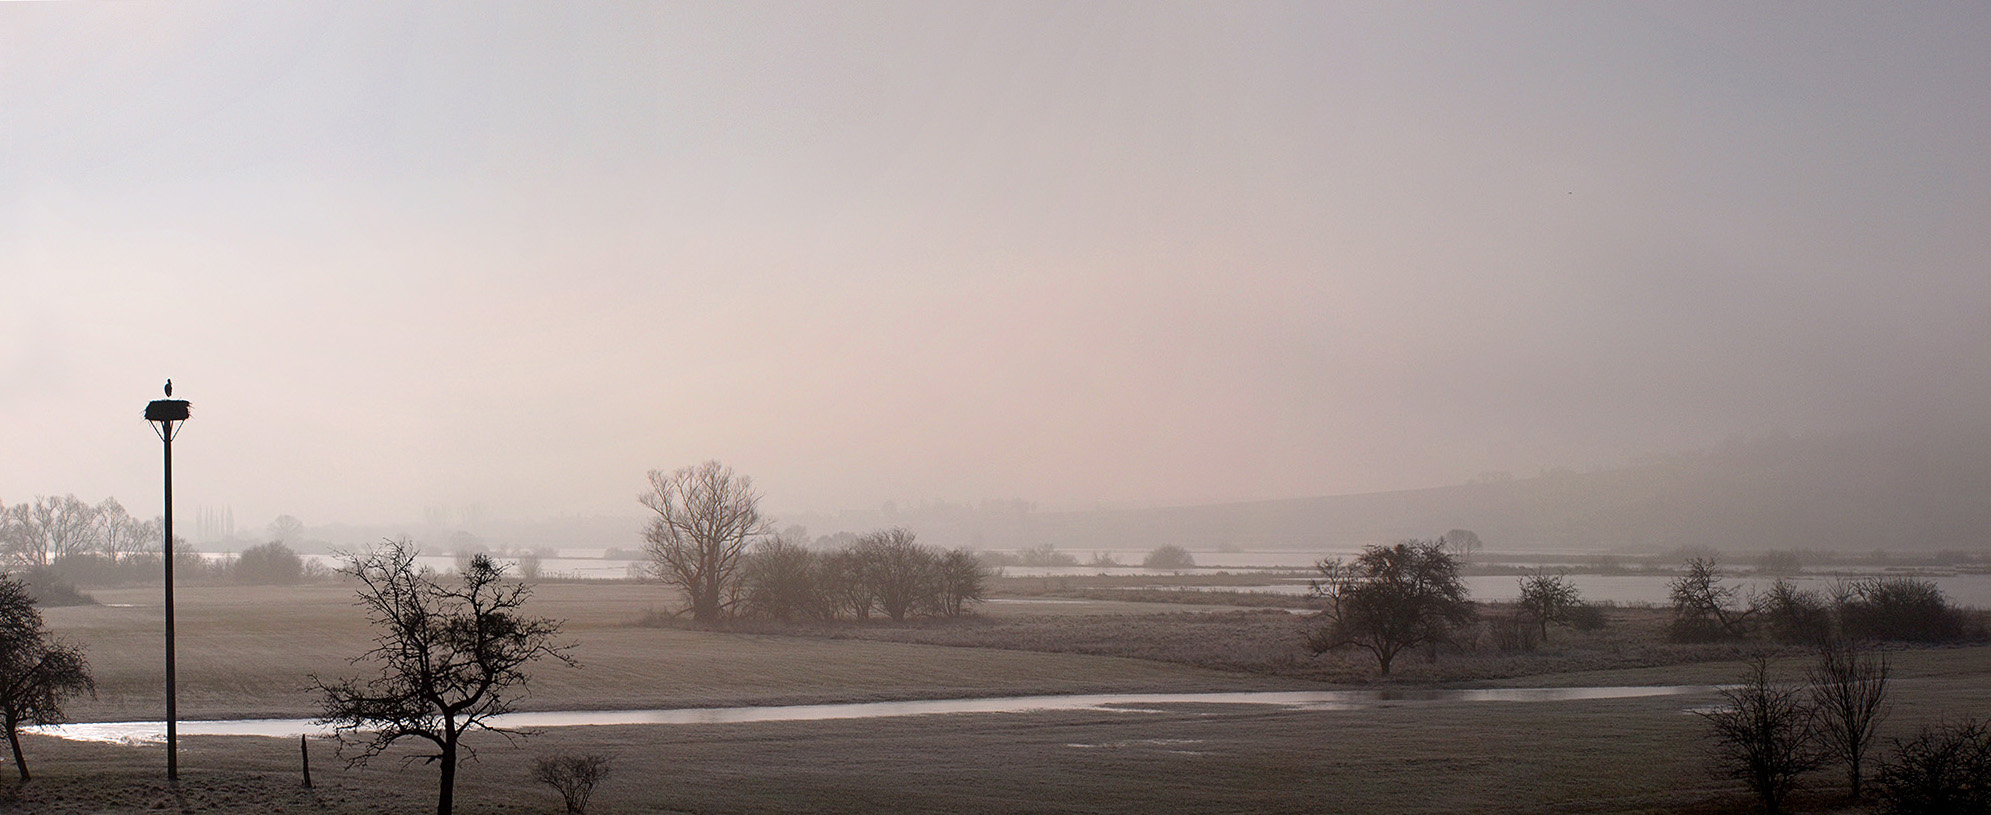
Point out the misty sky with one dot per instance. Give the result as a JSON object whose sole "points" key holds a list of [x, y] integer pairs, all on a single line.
{"points": [[404, 255]]}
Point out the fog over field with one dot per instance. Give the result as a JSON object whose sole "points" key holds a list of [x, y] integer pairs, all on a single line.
{"points": [[1125, 255]]}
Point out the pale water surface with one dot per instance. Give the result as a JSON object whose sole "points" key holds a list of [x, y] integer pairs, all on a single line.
{"points": [[147, 732]]}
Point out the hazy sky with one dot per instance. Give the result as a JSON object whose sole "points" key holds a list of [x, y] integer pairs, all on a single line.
{"points": [[401, 255]]}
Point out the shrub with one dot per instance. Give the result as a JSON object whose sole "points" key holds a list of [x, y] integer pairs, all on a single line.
{"points": [[1792, 615], [1898, 608], [1045, 555], [1588, 617], [1764, 736], [269, 564], [574, 776], [1849, 688], [1169, 557], [1513, 633], [49, 590], [1940, 771]]}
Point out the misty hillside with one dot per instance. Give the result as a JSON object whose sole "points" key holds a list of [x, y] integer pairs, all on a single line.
{"points": [[1852, 492]]}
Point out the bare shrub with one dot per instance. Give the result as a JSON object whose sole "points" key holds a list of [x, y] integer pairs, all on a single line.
{"points": [[575, 776], [1898, 608], [1793, 615], [1512, 633], [1849, 688], [781, 580], [1941, 771], [1764, 736]]}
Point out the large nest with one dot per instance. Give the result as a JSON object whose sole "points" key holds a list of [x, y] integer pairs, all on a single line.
{"points": [[167, 410]]}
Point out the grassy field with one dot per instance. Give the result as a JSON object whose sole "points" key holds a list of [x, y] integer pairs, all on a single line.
{"points": [[245, 652]]}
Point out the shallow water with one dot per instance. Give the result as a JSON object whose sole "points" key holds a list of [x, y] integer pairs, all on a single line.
{"points": [[147, 732]]}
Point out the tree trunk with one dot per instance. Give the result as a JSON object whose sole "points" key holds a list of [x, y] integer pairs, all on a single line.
{"points": [[14, 741], [446, 796]]}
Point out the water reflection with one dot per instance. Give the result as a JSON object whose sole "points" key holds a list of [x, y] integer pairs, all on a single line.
{"points": [[1132, 703]]}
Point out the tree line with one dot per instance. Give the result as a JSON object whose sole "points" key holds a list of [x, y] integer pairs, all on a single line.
{"points": [[49, 529], [1707, 608], [709, 539]]}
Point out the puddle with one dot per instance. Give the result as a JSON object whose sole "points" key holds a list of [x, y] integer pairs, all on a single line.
{"points": [[1127, 703]]}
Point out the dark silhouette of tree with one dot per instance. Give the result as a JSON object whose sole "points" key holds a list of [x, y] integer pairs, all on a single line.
{"points": [[1898, 608], [1462, 544], [1764, 735], [781, 579], [1549, 598], [1703, 606], [963, 580], [450, 652], [1849, 688], [37, 671], [1389, 599], [286, 529], [706, 518], [1793, 615], [573, 776], [1943, 770], [268, 564], [902, 573], [1168, 556]]}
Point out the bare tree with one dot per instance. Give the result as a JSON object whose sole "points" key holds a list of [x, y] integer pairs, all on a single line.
{"points": [[286, 529], [121, 535], [1942, 770], [1389, 599], [37, 671], [1549, 598], [962, 580], [1849, 688], [573, 776], [52, 528], [846, 586], [901, 573], [781, 580], [706, 518], [1462, 544], [1764, 735], [449, 657], [1703, 605]]}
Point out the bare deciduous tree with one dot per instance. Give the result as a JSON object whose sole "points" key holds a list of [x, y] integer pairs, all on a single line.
{"points": [[1764, 736], [1849, 688], [451, 652], [1703, 606], [901, 572], [1462, 544], [1548, 598], [782, 580], [706, 518], [963, 579], [37, 671]]}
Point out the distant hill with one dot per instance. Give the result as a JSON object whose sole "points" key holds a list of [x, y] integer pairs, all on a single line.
{"points": [[1849, 493]]}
